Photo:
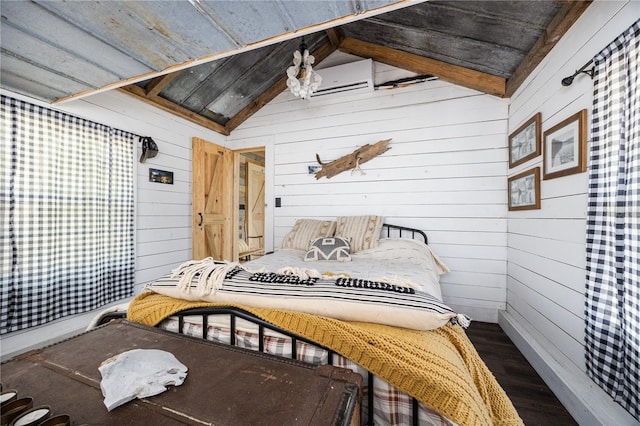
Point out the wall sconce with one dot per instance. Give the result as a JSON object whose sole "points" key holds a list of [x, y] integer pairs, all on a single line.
{"points": [[149, 148]]}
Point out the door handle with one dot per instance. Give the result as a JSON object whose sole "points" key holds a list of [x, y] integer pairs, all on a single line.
{"points": [[200, 223]]}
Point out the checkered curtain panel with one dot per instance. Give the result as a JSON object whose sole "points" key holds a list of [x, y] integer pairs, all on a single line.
{"points": [[612, 311], [67, 215]]}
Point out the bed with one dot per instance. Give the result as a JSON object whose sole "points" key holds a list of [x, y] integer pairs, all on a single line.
{"points": [[354, 293]]}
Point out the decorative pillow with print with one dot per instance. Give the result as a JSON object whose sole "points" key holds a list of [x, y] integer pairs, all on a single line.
{"points": [[305, 231], [363, 232], [330, 248]]}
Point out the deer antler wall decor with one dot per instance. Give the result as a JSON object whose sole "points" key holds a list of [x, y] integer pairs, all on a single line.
{"points": [[352, 161]]}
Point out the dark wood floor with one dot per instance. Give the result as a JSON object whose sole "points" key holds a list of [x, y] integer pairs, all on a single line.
{"points": [[535, 403]]}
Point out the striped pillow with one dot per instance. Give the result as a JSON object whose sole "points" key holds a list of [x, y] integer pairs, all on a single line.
{"points": [[362, 231], [305, 231]]}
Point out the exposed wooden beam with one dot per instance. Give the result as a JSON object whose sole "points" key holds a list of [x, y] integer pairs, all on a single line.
{"points": [[335, 36], [565, 18], [267, 96], [157, 84], [466, 77], [166, 105]]}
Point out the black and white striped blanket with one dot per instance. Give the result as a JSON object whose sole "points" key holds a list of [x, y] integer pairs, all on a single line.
{"points": [[344, 298]]}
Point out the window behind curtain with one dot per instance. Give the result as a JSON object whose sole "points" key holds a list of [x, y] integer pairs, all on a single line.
{"points": [[67, 208], [612, 314]]}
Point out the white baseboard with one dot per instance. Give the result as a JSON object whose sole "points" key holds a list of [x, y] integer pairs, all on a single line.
{"points": [[584, 400], [476, 313]]}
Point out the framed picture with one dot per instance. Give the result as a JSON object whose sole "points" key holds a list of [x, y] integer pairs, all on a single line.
{"points": [[524, 190], [160, 176], [565, 147], [524, 143]]}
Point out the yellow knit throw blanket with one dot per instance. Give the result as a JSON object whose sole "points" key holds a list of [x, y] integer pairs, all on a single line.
{"points": [[440, 368]]}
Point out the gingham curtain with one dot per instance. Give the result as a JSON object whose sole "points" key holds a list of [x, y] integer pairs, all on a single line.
{"points": [[67, 215], [613, 223]]}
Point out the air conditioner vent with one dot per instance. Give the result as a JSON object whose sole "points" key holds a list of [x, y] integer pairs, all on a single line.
{"points": [[354, 77]]}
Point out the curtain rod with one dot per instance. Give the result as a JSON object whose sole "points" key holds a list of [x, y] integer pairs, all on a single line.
{"points": [[568, 80]]}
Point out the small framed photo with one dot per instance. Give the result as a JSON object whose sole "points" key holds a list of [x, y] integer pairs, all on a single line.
{"points": [[524, 143], [160, 176], [524, 190], [565, 147]]}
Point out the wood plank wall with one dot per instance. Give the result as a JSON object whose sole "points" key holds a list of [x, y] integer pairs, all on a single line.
{"points": [[546, 247], [445, 173]]}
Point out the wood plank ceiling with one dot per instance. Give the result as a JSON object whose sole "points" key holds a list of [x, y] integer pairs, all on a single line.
{"points": [[217, 63]]}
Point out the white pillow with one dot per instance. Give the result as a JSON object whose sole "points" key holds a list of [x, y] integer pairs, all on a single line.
{"points": [[414, 254]]}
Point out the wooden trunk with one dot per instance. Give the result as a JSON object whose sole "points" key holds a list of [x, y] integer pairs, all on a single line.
{"points": [[224, 386]]}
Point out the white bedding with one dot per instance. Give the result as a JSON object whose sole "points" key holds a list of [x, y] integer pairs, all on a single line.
{"points": [[396, 284], [395, 258]]}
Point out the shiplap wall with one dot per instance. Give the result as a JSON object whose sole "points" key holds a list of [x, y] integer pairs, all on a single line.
{"points": [[445, 173], [163, 221], [546, 247]]}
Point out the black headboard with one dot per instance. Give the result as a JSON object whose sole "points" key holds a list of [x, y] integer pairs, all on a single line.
{"points": [[389, 231]]}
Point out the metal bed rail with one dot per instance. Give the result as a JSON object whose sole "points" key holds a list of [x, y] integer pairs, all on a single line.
{"points": [[398, 231]]}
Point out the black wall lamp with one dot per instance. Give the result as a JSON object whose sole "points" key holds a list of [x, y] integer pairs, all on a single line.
{"points": [[149, 148], [568, 80]]}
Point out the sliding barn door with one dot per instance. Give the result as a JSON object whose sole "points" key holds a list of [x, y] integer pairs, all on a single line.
{"points": [[212, 201], [255, 205]]}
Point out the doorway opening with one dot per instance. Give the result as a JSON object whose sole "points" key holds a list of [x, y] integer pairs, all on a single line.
{"points": [[251, 185]]}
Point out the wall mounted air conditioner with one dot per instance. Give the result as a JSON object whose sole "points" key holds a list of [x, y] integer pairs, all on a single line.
{"points": [[355, 77]]}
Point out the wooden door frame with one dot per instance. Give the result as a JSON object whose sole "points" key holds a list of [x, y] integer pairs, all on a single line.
{"points": [[236, 190], [248, 213]]}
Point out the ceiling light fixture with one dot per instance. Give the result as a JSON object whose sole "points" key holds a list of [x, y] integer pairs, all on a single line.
{"points": [[302, 80]]}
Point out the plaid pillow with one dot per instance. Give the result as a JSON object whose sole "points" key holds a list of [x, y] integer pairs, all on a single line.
{"points": [[329, 249]]}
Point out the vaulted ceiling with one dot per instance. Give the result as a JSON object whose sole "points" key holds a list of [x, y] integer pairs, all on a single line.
{"points": [[218, 62]]}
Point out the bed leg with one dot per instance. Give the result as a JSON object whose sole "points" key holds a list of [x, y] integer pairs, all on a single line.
{"points": [[370, 398], [232, 329], [260, 338], [205, 326]]}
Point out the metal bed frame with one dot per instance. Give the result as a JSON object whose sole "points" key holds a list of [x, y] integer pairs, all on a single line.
{"points": [[234, 313]]}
